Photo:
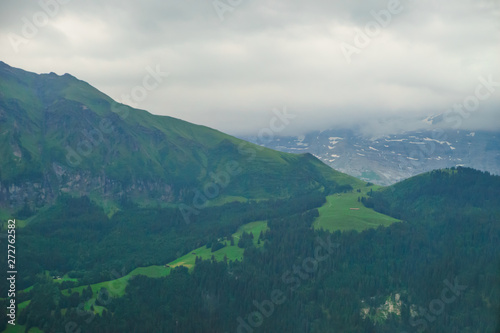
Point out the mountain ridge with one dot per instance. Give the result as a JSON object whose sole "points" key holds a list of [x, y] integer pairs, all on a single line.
{"points": [[61, 135]]}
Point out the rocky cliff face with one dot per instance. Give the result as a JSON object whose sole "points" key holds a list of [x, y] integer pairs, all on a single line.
{"points": [[44, 191]]}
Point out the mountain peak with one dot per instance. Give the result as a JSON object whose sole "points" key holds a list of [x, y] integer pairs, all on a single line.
{"points": [[109, 152], [4, 66]]}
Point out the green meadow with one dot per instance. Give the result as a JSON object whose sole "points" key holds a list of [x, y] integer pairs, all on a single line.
{"points": [[336, 214], [342, 211], [116, 288]]}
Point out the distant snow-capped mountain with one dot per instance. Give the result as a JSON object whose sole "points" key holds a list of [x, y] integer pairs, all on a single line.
{"points": [[389, 158]]}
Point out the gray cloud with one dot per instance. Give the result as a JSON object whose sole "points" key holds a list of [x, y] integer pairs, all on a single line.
{"points": [[268, 54]]}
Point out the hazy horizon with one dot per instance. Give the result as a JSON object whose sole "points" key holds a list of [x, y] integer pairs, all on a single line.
{"points": [[330, 65]]}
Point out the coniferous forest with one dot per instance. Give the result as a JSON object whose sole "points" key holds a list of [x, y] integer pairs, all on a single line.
{"points": [[438, 270], [231, 166]]}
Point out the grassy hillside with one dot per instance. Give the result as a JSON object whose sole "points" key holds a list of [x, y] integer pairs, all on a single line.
{"points": [[59, 134], [451, 235], [343, 211], [116, 287]]}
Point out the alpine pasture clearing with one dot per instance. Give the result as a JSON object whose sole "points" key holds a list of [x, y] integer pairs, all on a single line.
{"points": [[231, 252], [342, 211], [116, 288]]}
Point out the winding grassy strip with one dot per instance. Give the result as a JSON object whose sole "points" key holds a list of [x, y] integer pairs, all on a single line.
{"points": [[117, 287]]}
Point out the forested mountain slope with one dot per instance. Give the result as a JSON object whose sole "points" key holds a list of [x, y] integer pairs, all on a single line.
{"points": [[435, 272]]}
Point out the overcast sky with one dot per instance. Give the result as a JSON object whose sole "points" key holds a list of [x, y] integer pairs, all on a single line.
{"points": [[328, 62]]}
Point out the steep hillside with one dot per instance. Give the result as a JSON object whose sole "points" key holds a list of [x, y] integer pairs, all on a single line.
{"points": [[60, 135]]}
